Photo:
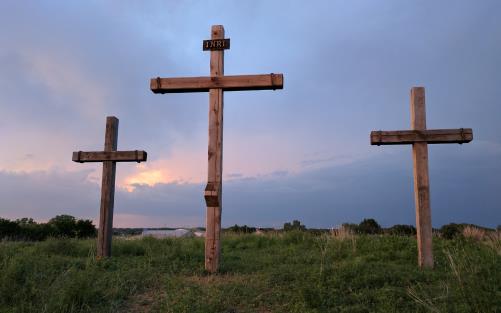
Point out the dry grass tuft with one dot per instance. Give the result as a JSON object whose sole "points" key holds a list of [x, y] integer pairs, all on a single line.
{"points": [[342, 233], [345, 234], [493, 239], [473, 232]]}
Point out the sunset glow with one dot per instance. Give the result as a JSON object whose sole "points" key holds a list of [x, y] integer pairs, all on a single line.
{"points": [[146, 177]]}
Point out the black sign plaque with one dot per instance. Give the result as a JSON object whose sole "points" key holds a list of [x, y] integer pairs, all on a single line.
{"points": [[216, 44]]}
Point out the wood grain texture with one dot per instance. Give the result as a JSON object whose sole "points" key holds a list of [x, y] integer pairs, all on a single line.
{"points": [[116, 156], [422, 204], [213, 191], [105, 230], [226, 83], [421, 181], [431, 136]]}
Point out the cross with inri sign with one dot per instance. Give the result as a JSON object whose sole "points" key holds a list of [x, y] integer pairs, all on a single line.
{"points": [[110, 156], [420, 137], [215, 84]]}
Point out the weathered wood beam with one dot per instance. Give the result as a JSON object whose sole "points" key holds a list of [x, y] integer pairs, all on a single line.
{"points": [[213, 196], [424, 228], [226, 83], [402, 137], [117, 156], [105, 231]]}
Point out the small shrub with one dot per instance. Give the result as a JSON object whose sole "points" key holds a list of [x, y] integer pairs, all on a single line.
{"points": [[451, 231], [8, 229], [242, 229], [369, 227], [402, 230]]}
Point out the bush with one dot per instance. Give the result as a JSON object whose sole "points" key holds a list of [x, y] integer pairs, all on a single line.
{"points": [[85, 229], [451, 231], [242, 229], [8, 229], [402, 230], [64, 225], [369, 226]]}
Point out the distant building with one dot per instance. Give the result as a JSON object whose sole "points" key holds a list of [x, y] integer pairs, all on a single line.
{"points": [[167, 233], [199, 233]]}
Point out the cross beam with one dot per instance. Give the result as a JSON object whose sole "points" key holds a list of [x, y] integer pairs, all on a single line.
{"points": [[226, 83], [431, 136], [420, 137], [215, 84], [117, 156], [109, 157]]}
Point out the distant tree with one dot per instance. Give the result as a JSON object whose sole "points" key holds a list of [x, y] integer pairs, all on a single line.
{"points": [[59, 226], [25, 221], [31, 230], [242, 229], [402, 230], [85, 229], [369, 226], [8, 229], [296, 225], [451, 231], [64, 225]]}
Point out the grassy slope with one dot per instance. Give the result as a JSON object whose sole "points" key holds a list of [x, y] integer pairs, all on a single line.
{"points": [[295, 272]]}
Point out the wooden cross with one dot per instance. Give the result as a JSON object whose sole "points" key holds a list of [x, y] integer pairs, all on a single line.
{"points": [[110, 156], [420, 137], [215, 84]]}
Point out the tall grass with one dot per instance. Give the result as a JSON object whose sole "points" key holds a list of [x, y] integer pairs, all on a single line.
{"points": [[287, 272], [472, 282]]}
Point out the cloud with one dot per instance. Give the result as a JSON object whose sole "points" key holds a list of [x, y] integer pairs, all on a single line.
{"points": [[380, 187], [301, 152]]}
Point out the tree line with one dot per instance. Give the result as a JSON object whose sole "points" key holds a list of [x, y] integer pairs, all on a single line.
{"points": [[60, 226], [69, 227], [368, 226]]}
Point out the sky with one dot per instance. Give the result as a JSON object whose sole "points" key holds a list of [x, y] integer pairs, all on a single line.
{"points": [[298, 153]]}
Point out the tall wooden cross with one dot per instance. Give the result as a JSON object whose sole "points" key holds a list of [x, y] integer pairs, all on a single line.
{"points": [[110, 156], [215, 84], [420, 137]]}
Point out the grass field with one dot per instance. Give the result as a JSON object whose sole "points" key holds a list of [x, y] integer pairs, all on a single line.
{"points": [[291, 272]]}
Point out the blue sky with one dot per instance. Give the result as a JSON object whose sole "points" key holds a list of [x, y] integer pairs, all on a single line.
{"points": [[298, 153]]}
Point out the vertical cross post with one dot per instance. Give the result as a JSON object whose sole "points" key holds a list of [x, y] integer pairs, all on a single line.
{"points": [[110, 156], [215, 159], [419, 136], [421, 180], [215, 84], [105, 231]]}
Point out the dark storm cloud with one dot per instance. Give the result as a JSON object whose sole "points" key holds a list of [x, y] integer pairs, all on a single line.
{"points": [[381, 188]]}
